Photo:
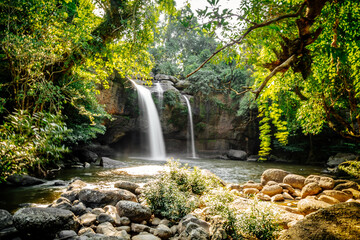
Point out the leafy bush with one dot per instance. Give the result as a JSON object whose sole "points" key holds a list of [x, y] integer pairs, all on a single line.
{"points": [[176, 192], [28, 142]]}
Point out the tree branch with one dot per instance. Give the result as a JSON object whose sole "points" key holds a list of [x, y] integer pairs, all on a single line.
{"points": [[250, 29]]}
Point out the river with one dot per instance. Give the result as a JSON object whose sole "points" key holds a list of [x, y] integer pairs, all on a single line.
{"points": [[140, 171]]}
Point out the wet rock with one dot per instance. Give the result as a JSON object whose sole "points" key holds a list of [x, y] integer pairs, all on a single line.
{"points": [[326, 183], [277, 198], [312, 179], [339, 221], [67, 234], [294, 180], [130, 186], [87, 219], [276, 175], [339, 195], [76, 185], [258, 186], [24, 180], [272, 190], [328, 199], [111, 163], [78, 209], [100, 198], [138, 228], [134, 211], [307, 206], [6, 219], [146, 236], [263, 197], [103, 217], [287, 187], [162, 231], [346, 185], [251, 191], [236, 154], [310, 189], [45, 222], [71, 195]]}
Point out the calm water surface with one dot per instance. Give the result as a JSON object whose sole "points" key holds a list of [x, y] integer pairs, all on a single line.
{"points": [[230, 171]]}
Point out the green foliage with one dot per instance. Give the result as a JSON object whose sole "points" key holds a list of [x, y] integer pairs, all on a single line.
{"points": [[351, 167], [175, 193], [29, 142]]}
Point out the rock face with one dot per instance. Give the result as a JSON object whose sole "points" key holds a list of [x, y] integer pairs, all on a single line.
{"points": [[320, 225], [276, 175], [134, 211], [45, 222], [100, 198]]}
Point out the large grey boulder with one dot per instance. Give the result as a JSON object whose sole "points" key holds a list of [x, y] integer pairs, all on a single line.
{"points": [[24, 180], [6, 219], [340, 221], [130, 186], [99, 198], [236, 154], [134, 211], [111, 163], [339, 158], [44, 222]]}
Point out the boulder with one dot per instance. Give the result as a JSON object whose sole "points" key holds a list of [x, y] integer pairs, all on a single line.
{"points": [[146, 236], [234, 187], [193, 231], [111, 163], [76, 185], [162, 231], [9, 233], [355, 193], [328, 199], [130, 186], [6, 219], [138, 228], [276, 175], [253, 185], [192, 219], [287, 187], [87, 219], [87, 231], [97, 211], [79, 209], [111, 211], [107, 229], [345, 185], [103, 217], [326, 183], [263, 197], [310, 189], [71, 195], [272, 190], [45, 222], [287, 196], [67, 234], [312, 179], [307, 206], [24, 180], [236, 154], [85, 155], [339, 195], [134, 211], [100, 198], [251, 191], [294, 180], [277, 198], [340, 221], [334, 161]]}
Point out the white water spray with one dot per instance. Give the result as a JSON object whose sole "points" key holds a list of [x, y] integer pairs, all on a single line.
{"points": [[193, 152], [151, 117], [160, 93]]}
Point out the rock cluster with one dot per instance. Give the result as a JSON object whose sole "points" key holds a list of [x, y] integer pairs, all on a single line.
{"points": [[313, 192], [84, 213]]}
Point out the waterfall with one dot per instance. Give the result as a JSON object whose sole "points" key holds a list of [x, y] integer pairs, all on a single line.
{"points": [[151, 117], [191, 127], [160, 93]]}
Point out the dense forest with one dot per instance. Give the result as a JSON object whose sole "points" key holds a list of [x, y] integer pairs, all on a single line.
{"points": [[296, 61]]}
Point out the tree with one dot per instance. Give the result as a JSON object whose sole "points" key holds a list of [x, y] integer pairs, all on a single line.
{"points": [[306, 63], [53, 55]]}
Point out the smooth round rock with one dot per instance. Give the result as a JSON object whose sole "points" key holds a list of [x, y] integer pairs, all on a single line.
{"points": [[134, 211]]}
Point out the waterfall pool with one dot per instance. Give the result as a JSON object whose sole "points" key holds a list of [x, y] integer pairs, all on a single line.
{"points": [[141, 171]]}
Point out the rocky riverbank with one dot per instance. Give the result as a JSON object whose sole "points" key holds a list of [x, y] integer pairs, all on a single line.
{"points": [[312, 207]]}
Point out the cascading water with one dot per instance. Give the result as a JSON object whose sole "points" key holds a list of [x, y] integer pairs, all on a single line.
{"points": [[160, 93], [151, 117], [193, 152]]}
